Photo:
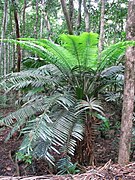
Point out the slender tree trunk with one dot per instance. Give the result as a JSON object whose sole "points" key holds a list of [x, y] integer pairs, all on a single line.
{"points": [[24, 14], [11, 49], [47, 24], [23, 24], [17, 36], [36, 23], [86, 15], [11, 20], [4, 23], [101, 37], [67, 17], [42, 18], [13, 57], [3, 30], [71, 12], [9, 58], [41, 25], [79, 15], [129, 91]]}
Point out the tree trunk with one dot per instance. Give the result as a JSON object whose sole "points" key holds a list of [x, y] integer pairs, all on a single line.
{"points": [[79, 15], [67, 17], [101, 37], [129, 91], [24, 14], [3, 30], [24, 24], [36, 22], [41, 19], [17, 36], [84, 153], [47, 23], [71, 12], [86, 15]]}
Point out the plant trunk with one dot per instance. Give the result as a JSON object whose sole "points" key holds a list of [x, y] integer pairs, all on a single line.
{"points": [[101, 37], [71, 12], [129, 91], [3, 30], [79, 15], [36, 22], [17, 36], [24, 14], [84, 153], [41, 19], [86, 15], [67, 17], [47, 23]]}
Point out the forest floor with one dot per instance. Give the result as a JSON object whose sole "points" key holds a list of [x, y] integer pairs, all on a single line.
{"points": [[106, 152]]}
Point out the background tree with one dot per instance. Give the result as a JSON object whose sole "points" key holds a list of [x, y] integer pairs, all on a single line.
{"points": [[67, 16], [51, 21], [101, 37], [3, 31], [86, 6], [24, 17], [17, 35], [71, 12], [79, 15], [129, 90]]}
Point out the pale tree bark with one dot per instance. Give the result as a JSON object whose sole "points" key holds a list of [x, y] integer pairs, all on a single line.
{"points": [[3, 30], [41, 26], [67, 17], [11, 50], [47, 24], [17, 36], [8, 58], [86, 15], [11, 20], [36, 23], [24, 23], [101, 37], [129, 91], [79, 15], [42, 18], [13, 58]]}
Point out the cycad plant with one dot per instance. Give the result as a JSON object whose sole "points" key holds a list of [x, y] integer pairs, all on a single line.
{"points": [[59, 100]]}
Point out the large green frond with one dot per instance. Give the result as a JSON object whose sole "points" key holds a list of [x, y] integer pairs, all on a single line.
{"points": [[50, 52], [111, 55], [83, 47], [45, 76]]}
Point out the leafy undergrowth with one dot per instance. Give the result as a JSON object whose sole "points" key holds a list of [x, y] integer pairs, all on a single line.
{"points": [[106, 148]]}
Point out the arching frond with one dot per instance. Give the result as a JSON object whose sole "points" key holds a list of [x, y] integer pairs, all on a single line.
{"points": [[110, 55], [47, 75], [112, 71], [83, 47]]}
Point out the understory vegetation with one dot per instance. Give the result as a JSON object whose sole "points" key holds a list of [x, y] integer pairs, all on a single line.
{"points": [[60, 96]]}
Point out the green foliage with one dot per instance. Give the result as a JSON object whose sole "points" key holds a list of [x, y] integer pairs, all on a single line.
{"points": [[105, 125], [56, 97], [65, 166], [32, 62], [83, 47], [112, 55], [24, 157]]}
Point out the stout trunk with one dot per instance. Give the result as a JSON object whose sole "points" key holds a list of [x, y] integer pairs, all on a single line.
{"points": [[129, 91]]}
